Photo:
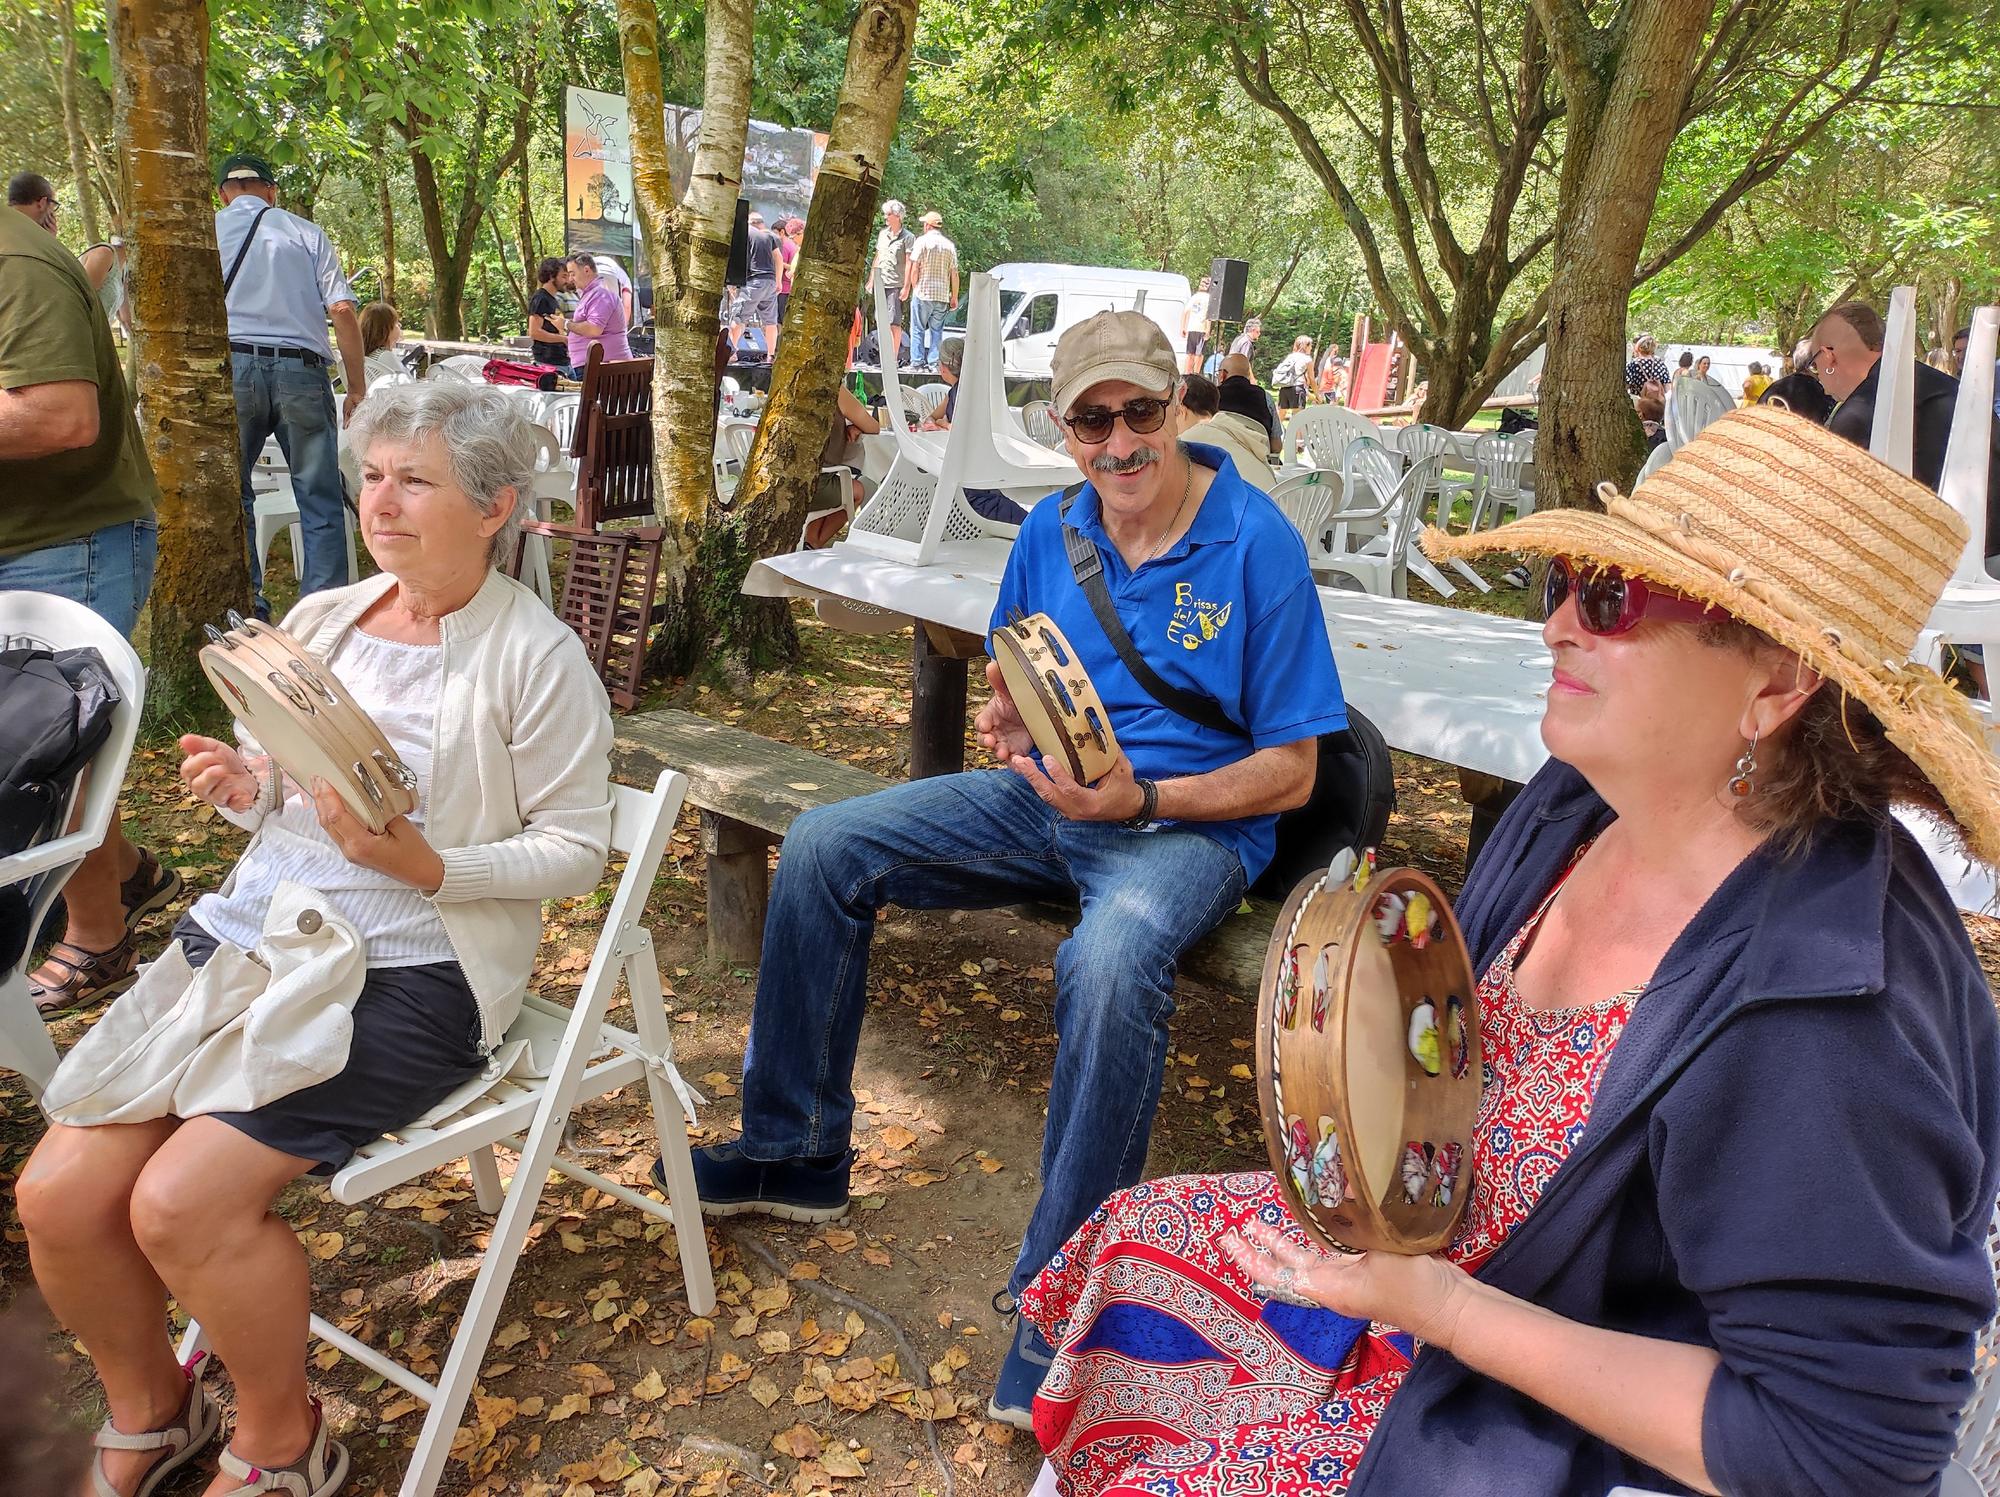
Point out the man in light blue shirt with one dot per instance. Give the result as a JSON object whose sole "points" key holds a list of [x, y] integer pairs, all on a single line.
{"points": [[282, 281]]}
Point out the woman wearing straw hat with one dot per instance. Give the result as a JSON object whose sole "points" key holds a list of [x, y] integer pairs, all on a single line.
{"points": [[1739, 1140]]}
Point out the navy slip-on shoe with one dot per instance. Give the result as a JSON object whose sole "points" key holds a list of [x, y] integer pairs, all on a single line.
{"points": [[1028, 1358], [795, 1190]]}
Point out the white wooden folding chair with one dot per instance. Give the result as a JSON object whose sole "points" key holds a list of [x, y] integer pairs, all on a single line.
{"points": [[591, 1059], [45, 620]]}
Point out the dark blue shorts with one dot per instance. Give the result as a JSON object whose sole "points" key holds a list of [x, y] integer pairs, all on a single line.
{"points": [[416, 1039]]}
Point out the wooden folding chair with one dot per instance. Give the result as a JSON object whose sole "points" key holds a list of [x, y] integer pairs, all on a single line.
{"points": [[613, 441], [592, 1059]]}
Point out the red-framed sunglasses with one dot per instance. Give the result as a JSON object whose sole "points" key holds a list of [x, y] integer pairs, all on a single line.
{"points": [[1609, 602]]}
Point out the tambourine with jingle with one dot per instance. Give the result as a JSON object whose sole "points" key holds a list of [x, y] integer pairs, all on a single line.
{"points": [[1368, 1060], [1060, 708], [302, 716]]}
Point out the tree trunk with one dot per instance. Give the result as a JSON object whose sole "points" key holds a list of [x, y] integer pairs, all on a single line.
{"points": [[524, 220], [385, 207], [1625, 104], [79, 152], [688, 245], [181, 341], [771, 501]]}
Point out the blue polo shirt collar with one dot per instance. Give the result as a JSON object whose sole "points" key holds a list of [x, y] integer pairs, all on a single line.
{"points": [[1220, 517]]}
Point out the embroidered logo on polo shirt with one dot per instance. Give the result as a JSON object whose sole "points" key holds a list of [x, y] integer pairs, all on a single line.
{"points": [[1195, 620]]}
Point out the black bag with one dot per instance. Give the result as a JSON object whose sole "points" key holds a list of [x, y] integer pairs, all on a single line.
{"points": [[1354, 783], [55, 712]]}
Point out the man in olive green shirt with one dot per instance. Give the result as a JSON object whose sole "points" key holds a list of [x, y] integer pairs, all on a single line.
{"points": [[76, 519]]}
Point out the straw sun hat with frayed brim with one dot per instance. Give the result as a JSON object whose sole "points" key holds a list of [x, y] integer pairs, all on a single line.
{"points": [[1803, 536]]}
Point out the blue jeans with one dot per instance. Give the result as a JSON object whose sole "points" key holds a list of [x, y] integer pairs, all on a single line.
{"points": [[971, 841], [927, 331], [109, 571], [283, 397]]}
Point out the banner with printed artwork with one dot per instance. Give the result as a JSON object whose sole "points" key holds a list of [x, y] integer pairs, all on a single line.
{"points": [[779, 165]]}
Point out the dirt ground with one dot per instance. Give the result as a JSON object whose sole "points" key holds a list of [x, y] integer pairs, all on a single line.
{"points": [[854, 1358]]}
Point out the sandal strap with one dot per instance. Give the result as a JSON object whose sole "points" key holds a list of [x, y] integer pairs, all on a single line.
{"points": [[302, 1478], [173, 1437]]}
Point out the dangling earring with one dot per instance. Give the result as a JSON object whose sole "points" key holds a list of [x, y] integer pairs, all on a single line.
{"points": [[1740, 782]]}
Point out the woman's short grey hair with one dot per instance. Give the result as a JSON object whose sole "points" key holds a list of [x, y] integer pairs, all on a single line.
{"points": [[1647, 344], [490, 445], [952, 355], [895, 206]]}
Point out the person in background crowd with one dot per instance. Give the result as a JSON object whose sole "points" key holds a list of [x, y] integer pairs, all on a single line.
{"points": [[381, 331], [1238, 392], [77, 522], [1651, 405], [611, 270], [757, 306], [934, 292], [31, 195], [827, 514], [1958, 346], [106, 265], [1332, 377], [1202, 419], [1646, 366], [990, 503], [1755, 383], [1194, 328], [282, 282], [890, 270], [1847, 358], [791, 235], [1292, 373], [547, 327], [599, 317], [1800, 393], [1245, 344]]}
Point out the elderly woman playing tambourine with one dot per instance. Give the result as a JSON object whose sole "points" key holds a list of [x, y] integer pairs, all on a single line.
{"points": [[491, 701], [1739, 1136]]}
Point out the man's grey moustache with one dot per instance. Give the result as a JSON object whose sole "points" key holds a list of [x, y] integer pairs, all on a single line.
{"points": [[1131, 463]]}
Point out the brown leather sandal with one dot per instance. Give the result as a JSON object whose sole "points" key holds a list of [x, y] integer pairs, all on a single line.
{"points": [[152, 887], [87, 976]]}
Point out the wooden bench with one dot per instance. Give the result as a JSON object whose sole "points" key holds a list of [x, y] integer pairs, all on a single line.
{"points": [[750, 789]]}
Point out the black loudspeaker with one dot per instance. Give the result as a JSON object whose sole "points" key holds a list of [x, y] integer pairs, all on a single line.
{"points": [[1227, 280], [739, 247]]}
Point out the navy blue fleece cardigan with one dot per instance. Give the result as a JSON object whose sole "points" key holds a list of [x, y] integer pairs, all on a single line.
{"points": [[1791, 1158]]}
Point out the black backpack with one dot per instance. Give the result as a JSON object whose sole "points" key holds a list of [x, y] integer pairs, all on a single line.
{"points": [[55, 712]]}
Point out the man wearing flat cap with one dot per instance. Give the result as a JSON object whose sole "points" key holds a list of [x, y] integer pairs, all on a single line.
{"points": [[1210, 587], [282, 281]]}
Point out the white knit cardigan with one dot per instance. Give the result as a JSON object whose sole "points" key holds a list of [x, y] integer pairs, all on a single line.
{"points": [[520, 799]]}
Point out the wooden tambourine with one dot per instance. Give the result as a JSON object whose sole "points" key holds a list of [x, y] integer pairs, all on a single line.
{"points": [[1368, 1063], [306, 720], [1052, 691]]}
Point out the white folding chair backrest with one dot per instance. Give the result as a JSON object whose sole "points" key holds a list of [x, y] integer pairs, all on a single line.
{"points": [[1373, 469], [1892, 438], [1319, 434], [1975, 1467], [1306, 499], [1501, 461], [1038, 420], [43, 619]]}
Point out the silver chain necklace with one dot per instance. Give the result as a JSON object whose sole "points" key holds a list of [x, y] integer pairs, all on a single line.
{"points": [[1186, 494]]}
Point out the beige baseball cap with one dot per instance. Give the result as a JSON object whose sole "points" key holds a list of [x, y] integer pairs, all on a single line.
{"points": [[1125, 346]]}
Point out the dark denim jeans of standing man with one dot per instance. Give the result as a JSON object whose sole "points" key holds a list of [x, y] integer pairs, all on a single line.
{"points": [[970, 841], [285, 398]]}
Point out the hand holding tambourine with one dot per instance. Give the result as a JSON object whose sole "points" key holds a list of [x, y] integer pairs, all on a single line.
{"points": [[217, 772]]}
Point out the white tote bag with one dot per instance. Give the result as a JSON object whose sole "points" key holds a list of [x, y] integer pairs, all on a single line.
{"points": [[245, 1029]]}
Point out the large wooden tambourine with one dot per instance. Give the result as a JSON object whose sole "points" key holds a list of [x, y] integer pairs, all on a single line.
{"points": [[302, 716], [1368, 1060], [1051, 690]]}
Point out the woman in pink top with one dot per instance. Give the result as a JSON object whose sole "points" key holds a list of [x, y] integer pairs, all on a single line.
{"points": [[599, 316]]}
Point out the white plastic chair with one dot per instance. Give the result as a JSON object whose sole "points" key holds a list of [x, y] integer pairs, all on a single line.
{"points": [[58, 624], [590, 1059], [470, 367], [551, 483], [1318, 435], [1501, 463], [1038, 421], [1307, 500], [1424, 443], [276, 510], [1373, 531], [922, 403], [733, 440]]}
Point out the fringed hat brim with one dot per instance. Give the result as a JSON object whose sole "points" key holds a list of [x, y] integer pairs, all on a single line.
{"points": [[1923, 714]]}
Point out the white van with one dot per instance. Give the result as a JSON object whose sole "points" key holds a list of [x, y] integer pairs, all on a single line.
{"points": [[1038, 303]]}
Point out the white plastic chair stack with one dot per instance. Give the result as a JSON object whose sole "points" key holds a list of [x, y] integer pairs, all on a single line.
{"points": [[591, 1059], [1893, 436], [1318, 435], [1502, 463], [58, 624], [1371, 535], [1427, 445], [982, 450]]}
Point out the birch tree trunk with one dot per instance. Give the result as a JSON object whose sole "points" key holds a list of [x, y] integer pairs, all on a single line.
{"points": [[770, 504], [1627, 88], [180, 337], [688, 244]]}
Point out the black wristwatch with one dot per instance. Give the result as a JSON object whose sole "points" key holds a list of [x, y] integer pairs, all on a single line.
{"points": [[1144, 819]]}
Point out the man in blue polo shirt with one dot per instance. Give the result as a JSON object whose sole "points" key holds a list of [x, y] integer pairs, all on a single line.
{"points": [[1210, 582]]}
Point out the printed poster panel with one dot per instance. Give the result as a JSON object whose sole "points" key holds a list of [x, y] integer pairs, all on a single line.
{"points": [[779, 164], [600, 211]]}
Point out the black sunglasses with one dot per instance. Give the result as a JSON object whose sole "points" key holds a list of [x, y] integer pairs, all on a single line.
{"points": [[1092, 423]]}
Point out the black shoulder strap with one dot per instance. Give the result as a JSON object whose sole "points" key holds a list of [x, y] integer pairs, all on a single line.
{"points": [[249, 238], [1089, 569]]}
